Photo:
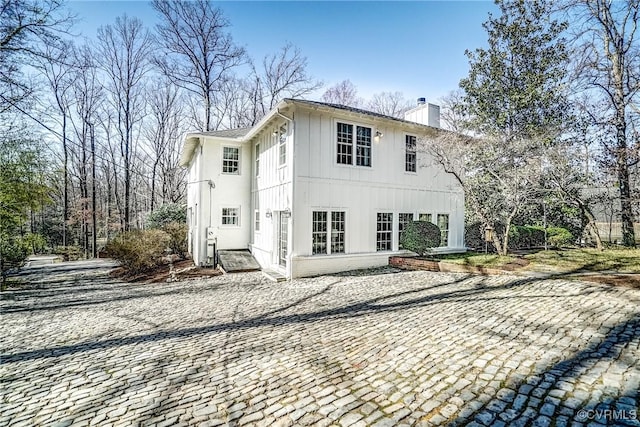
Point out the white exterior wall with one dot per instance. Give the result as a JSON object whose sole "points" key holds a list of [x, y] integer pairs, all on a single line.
{"points": [[272, 191], [230, 190], [362, 192]]}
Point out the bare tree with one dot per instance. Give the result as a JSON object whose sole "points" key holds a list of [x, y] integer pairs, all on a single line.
{"points": [[88, 96], [283, 74], [59, 74], [343, 93], [391, 104], [452, 113], [26, 28], [125, 49], [162, 134], [197, 53], [610, 66]]}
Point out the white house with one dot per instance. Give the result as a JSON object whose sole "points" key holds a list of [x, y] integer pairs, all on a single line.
{"points": [[317, 188]]}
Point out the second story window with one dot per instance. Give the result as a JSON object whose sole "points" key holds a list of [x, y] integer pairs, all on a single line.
{"points": [[410, 154], [345, 143], [363, 146], [257, 159], [231, 160], [282, 144]]}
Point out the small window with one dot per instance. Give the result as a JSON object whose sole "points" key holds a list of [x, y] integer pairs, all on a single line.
{"points": [[231, 216], [337, 232], [230, 160], [403, 220], [443, 224], [256, 220], [282, 143], [410, 154], [363, 146], [257, 159], [319, 233], [345, 144], [384, 233]]}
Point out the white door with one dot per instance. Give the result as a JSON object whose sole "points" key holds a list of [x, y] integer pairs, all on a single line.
{"points": [[283, 236]]}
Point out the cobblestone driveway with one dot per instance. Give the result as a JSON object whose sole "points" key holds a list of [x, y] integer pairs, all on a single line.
{"points": [[410, 348]]}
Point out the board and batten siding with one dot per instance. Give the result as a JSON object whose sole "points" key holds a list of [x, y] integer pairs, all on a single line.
{"points": [[361, 192], [271, 190]]}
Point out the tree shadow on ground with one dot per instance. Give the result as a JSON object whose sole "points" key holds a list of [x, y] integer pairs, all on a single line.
{"points": [[378, 304], [560, 394]]}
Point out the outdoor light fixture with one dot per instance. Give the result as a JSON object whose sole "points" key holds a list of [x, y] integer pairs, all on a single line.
{"points": [[268, 213], [379, 134], [286, 213]]}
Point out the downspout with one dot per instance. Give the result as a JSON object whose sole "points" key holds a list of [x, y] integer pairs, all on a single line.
{"points": [[293, 163]]}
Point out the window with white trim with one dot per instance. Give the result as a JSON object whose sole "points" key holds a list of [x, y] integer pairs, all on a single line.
{"points": [[256, 220], [230, 160], [231, 216], [282, 144], [337, 232], [410, 157], [363, 146], [257, 159], [319, 233], [384, 231], [424, 217], [345, 144], [403, 220], [322, 234], [443, 225]]}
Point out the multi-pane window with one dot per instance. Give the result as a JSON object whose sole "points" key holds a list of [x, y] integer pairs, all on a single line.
{"points": [[345, 144], [257, 159], [230, 159], [319, 233], [443, 224], [363, 146], [337, 232], [384, 234], [256, 220], [230, 216], [410, 154], [282, 144], [403, 220], [424, 217]]}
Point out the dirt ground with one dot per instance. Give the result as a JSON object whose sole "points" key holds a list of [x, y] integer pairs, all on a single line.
{"points": [[183, 269]]}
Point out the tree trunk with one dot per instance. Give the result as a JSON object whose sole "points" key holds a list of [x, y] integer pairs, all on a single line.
{"points": [[94, 226], [65, 204]]}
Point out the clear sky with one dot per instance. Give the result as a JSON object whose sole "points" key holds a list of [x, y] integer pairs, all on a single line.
{"points": [[415, 47]]}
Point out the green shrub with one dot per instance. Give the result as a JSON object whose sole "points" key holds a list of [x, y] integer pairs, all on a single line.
{"points": [[420, 237], [166, 214], [558, 236], [138, 250], [532, 236], [474, 235], [13, 253], [177, 238], [35, 242]]}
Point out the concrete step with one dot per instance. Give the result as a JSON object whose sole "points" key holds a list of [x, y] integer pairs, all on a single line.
{"points": [[274, 276]]}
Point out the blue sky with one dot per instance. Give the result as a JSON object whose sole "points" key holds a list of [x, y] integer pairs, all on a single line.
{"points": [[416, 47]]}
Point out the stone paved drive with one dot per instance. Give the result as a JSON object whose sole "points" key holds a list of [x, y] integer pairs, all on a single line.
{"points": [[410, 348]]}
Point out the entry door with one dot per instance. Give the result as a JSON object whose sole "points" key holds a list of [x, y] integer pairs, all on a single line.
{"points": [[283, 235]]}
